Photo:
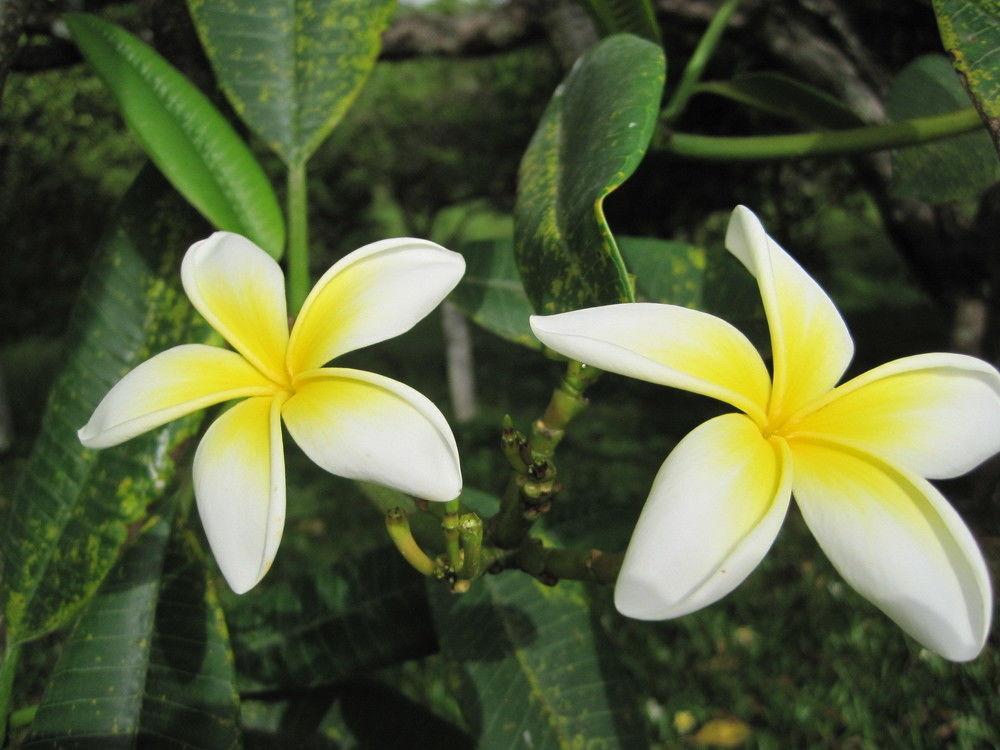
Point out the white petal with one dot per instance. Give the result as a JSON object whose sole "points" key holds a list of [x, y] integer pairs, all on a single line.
{"points": [[895, 539], [377, 292], [240, 290], [713, 513], [809, 341], [168, 386], [364, 426], [936, 415], [239, 483], [663, 344]]}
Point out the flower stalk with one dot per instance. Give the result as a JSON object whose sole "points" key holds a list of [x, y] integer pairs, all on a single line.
{"points": [[470, 529], [398, 526], [533, 483]]}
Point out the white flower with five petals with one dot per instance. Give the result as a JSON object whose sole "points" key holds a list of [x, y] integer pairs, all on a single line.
{"points": [[352, 423], [856, 457]]}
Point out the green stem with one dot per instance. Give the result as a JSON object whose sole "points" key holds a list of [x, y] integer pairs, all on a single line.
{"points": [[551, 564], [7, 671], [398, 526], [298, 238], [449, 527], [698, 60], [567, 401], [470, 526], [825, 143]]}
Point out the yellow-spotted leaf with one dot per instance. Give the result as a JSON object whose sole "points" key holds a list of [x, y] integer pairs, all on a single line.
{"points": [[491, 293], [291, 69], [183, 133], [592, 137], [69, 515], [970, 31], [149, 664]]}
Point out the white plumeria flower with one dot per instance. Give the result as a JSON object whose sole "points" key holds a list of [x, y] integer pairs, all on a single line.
{"points": [[352, 423], [856, 457]]}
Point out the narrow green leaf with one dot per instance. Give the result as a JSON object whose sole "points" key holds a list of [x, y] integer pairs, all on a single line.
{"points": [[319, 628], [183, 133], [70, 513], [780, 95], [491, 293], [948, 170], [149, 664], [291, 69], [624, 16], [533, 667], [592, 136], [970, 31]]}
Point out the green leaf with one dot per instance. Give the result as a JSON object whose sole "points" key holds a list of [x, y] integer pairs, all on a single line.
{"points": [[183, 133], [291, 69], [948, 170], [322, 627], [149, 662], [533, 667], [665, 271], [970, 31], [780, 95], [491, 293], [624, 16], [592, 136], [70, 513]]}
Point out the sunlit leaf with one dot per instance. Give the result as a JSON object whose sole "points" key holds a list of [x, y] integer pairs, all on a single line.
{"points": [[953, 169], [592, 136], [183, 133], [148, 664], [70, 513], [292, 69], [970, 31], [782, 96]]}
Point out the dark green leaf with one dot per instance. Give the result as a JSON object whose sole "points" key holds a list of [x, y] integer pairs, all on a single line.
{"points": [[70, 513], [183, 133], [624, 16], [533, 667], [148, 665], [780, 95], [970, 31], [948, 170], [491, 294], [292, 69], [318, 628], [364, 704], [592, 136]]}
